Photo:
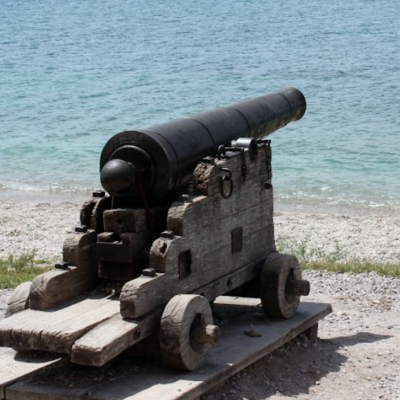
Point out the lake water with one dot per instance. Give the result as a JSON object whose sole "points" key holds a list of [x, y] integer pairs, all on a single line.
{"points": [[74, 73]]}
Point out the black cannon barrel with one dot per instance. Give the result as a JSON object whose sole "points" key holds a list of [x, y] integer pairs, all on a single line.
{"points": [[163, 157]]}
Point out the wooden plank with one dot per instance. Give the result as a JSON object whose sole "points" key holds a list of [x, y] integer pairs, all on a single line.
{"points": [[14, 366], [144, 294], [57, 286], [19, 391], [112, 337], [202, 213], [56, 329], [20, 319], [232, 353], [60, 336], [249, 218]]}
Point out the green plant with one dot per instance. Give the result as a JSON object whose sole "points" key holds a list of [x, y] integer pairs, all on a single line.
{"points": [[15, 270], [355, 267], [336, 260]]}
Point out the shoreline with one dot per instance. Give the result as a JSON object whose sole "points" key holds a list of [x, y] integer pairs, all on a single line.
{"points": [[280, 205], [40, 223]]}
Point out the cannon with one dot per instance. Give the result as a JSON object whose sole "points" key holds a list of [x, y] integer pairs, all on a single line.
{"points": [[186, 215], [167, 154]]}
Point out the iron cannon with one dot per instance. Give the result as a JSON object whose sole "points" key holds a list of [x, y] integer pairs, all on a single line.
{"points": [[166, 155], [187, 217]]}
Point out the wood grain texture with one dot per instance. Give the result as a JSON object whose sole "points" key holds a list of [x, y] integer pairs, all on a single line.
{"points": [[57, 286], [14, 366], [143, 294], [86, 211], [79, 250], [231, 354], [203, 226], [55, 330], [96, 219], [125, 220], [19, 299], [278, 269], [180, 316], [112, 337], [21, 391], [72, 324]]}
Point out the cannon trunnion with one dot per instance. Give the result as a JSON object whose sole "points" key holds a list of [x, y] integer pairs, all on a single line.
{"points": [[188, 217]]}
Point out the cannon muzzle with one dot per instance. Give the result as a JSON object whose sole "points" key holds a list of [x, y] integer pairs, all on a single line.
{"points": [[159, 159]]}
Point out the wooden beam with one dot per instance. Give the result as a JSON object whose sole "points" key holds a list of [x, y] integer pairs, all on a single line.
{"points": [[232, 353], [14, 366], [112, 337], [58, 328]]}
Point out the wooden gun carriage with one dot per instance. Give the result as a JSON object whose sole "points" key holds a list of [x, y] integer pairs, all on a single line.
{"points": [[188, 217]]}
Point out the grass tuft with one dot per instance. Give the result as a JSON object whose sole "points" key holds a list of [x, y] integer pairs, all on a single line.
{"points": [[355, 267], [15, 270], [335, 260]]}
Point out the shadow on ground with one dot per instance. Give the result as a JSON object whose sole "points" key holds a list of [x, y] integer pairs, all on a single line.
{"points": [[292, 369]]}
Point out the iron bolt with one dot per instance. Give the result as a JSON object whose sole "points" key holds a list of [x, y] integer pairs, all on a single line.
{"points": [[168, 234], [267, 185], [149, 272], [81, 228], [99, 193], [185, 198], [61, 265], [208, 160]]}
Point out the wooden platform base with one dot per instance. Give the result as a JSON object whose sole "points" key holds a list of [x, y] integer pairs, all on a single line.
{"points": [[135, 379]]}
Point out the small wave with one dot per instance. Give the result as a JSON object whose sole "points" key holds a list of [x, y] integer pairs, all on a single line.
{"points": [[44, 189], [337, 204]]}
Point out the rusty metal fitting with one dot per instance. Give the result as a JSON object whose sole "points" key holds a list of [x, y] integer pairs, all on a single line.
{"points": [[185, 198], [149, 272], [63, 265], [81, 228], [99, 193], [208, 160], [226, 178], [168, 234]]}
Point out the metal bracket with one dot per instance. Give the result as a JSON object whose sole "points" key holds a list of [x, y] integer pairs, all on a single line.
{"points": [[244, 166], [268, 154]]}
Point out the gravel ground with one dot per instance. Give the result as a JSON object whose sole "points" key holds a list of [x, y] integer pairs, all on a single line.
{"points": [[357, 355]]}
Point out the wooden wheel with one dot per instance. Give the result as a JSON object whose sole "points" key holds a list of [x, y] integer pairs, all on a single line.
{"points": [[186, 332], [282, 286]]}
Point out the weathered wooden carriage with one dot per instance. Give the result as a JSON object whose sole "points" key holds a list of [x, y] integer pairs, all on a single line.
{"points": [[188, 217]]}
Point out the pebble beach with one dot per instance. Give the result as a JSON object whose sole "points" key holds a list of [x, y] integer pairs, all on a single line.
{"points": [[359, 341], [40, 224]]}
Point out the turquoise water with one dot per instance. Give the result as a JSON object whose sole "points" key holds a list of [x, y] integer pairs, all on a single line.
{"points": [[74, 73]]}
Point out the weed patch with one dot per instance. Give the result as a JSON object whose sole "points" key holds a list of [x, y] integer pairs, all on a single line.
{"points": [[337, 259], [15, 270]]}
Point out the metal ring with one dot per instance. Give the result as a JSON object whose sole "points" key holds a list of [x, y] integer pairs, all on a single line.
{"points": [[226, 178], [221, 152]]}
